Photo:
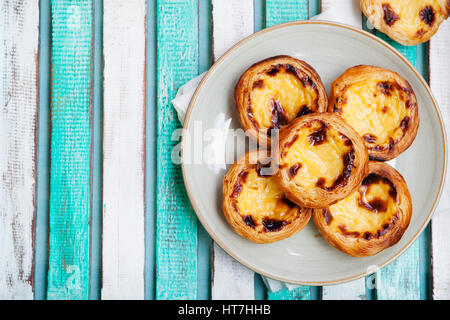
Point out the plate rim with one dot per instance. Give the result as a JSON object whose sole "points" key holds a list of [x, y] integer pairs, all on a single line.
{"points": [[256, 268]]}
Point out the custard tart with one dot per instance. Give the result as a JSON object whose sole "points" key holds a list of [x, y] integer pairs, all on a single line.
{"points": [[254, 205], [273, 92], [321, 160], [372, 218], [407, 22], [380, 105]]}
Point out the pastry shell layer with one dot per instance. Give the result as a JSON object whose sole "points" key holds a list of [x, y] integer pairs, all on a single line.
{"points": [[380, 105], [407, 22], [273, 92], [254, 205], [373, 218], [321, 160]]}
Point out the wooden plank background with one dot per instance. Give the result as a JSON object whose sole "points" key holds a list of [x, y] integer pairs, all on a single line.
{"points": [[162, 44]]}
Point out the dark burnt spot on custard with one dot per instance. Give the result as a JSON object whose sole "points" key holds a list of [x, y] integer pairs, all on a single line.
{"points": [[290, 69], [293, 170], [249, 221], [427, 15], [274, 70], [272, 225], [374, 178], [385, 87], [392, 143], [304, 111], [342, 179], [289, 203], [390, 17], [319, 136], [291, 142], [241, 179], [258, 84], [346, 140], [420, 32], [405, 123], [385, 228], [345, 232], [327, 215], [336, 109], [370, 138], [307, 82], [279, 118], [385, 109], [252, 118], [375, 205]]}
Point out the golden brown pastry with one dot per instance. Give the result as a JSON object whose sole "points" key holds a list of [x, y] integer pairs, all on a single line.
{"points": [[273, 92], [372, 218], [321, 160], [254, 205], [407, 22], [380, 105]]}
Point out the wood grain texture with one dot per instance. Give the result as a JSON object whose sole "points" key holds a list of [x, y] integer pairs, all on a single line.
{"points": [[282, 11], [354, 290], [68, 275], [440, 84], [19, 40], [123, 250], [278, 11], [232, 21], [401, 278], [176, 236]]}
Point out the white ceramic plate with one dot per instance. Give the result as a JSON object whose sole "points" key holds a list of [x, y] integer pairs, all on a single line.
{"points": [[306, 258]]}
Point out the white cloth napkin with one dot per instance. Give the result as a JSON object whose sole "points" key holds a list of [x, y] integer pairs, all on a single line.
{"points": [[349, 13]]}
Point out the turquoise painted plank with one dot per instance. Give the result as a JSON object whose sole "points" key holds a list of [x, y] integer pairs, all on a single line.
{"points": [[401, 278], [176, 236], [68, 275], [280, 11], [300, 293]]}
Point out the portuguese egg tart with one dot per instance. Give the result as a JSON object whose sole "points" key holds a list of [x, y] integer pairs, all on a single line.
{"points": [[380, 105], [273, 92], [371, 219], [407, 22], [254, 205], [321, 160]]}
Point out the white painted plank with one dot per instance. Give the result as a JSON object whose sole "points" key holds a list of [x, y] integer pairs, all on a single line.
{"points": [[124, 43], [19, 40], [232, 21], [345, 11], [354, 290], [440, 240]]}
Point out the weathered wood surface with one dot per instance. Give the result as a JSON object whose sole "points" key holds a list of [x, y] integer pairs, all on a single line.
{"points": [[176, 237], [232, 21], [123, 250], [19, 40], [68, 274], [440, 84]]}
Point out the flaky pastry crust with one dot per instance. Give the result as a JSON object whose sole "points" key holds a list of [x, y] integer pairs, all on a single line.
{"points": [[380, 105], [321, 160], [274, 91], [372, 218], [407, 22], [253, 204]]}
